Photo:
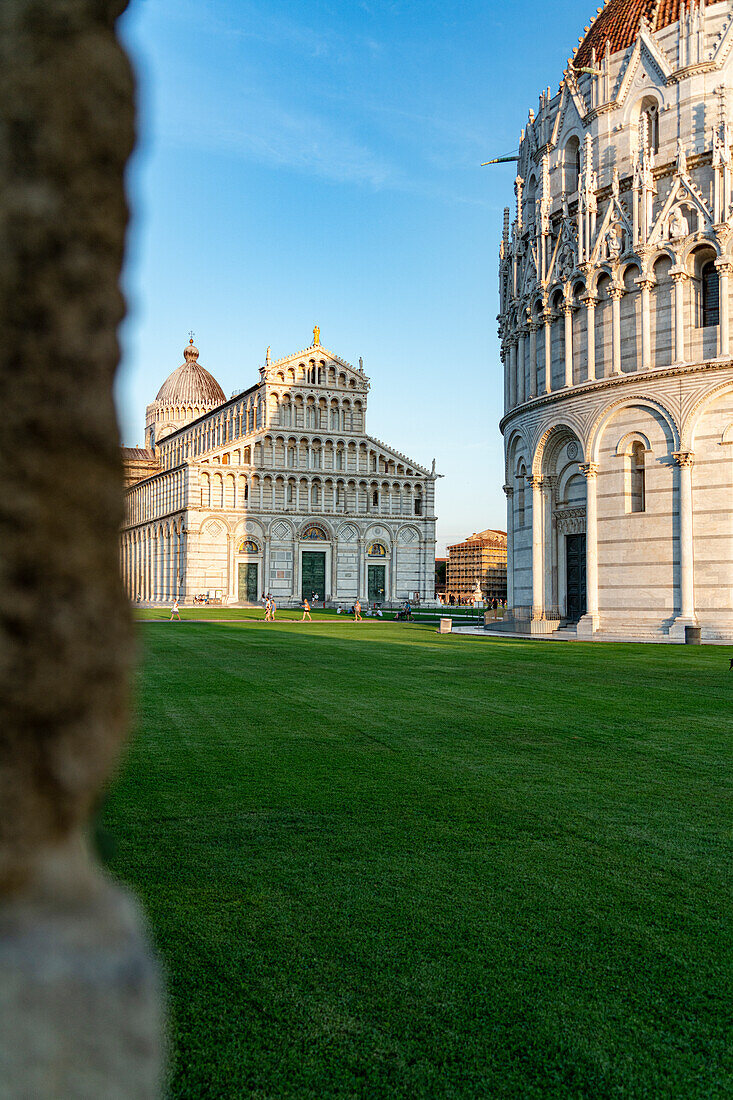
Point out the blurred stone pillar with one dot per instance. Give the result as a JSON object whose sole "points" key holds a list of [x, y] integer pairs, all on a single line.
{"points": [[79, 992]]}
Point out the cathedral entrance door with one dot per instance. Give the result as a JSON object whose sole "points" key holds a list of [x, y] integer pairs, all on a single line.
{"points": [[313, 573], [247, 586], [575, 573], [375, 588]]}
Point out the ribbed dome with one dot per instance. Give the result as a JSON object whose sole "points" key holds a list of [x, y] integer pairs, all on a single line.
{"points": [[619, 22], [191, 384]]}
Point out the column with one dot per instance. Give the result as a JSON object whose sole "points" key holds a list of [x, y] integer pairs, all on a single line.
{"points": [[535, 483], [645, 285], [684, 460], [358, 565], [568, 311], [182, 561], [724, 270], [266, 565], [509, 490], [520, 368], [589, 623], [506, 360], [616, 293], [549, 602], [679, 275], [513, 373], [393, 572], [533, 326], [547, 320], [334, 572], [590, 334], [296, 568]]}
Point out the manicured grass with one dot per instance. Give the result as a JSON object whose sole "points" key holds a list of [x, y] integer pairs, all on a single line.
{"points": [[286, 614], [379, 862]]}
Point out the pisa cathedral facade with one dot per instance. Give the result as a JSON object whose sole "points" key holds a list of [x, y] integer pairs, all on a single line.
{"points": [[615, 284], [278, 490]]}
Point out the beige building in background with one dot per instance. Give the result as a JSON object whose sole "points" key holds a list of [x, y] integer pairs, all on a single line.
{"points": [[615, 282], [477, 564]]}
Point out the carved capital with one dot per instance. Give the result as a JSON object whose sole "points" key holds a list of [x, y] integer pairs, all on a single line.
{"points": [[534, 481], [616, 293], [679, 274], [590, 301], [589, 470], [509, 490], [684, 458], [724, 266], [645, 282]]}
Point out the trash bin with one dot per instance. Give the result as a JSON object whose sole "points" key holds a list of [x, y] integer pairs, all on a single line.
{"points": [[445, 626], [692, 635]]}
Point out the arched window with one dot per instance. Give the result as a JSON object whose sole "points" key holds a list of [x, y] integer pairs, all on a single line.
{"points": [[375, 498], [572, 165], [418, 503], [637, 486], [710, 294], [649, 125]]}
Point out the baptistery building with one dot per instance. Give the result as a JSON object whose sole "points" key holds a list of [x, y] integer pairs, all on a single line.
{"points": [[615, 285], [277, 490]]}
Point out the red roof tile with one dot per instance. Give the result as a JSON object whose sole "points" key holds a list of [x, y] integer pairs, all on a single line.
{"points": [[618, 24]]}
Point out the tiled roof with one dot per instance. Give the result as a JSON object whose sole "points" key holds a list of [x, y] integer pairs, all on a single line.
{"points": [[138, 454], [618, 24]]}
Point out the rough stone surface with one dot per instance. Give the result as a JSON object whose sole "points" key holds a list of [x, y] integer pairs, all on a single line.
{"points": [[73, 954]]}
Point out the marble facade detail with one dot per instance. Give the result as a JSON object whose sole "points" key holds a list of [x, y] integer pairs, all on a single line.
{"points": [[279, 489], [614, 322]]}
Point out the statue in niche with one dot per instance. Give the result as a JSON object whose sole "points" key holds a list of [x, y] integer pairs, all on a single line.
{"points": [[566, 264], [678, 226], [681, 158], [613, 241]]}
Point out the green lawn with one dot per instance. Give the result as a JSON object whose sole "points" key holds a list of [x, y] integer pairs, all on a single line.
{"points": [[379, 862]]}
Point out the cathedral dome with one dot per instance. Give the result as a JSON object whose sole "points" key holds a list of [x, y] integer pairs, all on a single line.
{"points": [[191, 384], [619, 22]]}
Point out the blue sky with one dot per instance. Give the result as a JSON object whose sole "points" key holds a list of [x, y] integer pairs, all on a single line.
{"points": [[319, 162]]}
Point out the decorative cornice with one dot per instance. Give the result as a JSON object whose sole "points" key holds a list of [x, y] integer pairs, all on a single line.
{"points": [[614, 381]]}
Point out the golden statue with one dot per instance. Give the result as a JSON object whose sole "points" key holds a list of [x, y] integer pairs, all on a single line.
{"points": [[316, 335]]}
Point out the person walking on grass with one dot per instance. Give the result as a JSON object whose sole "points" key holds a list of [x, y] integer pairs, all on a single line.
{"points": [[175, 612], [273, 609], [306, 610], [268, 609], [357, 611]]}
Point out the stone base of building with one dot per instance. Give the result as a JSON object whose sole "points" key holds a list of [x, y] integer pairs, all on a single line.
{"points": [[588, 625], [677, 628], [543, 626]]}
